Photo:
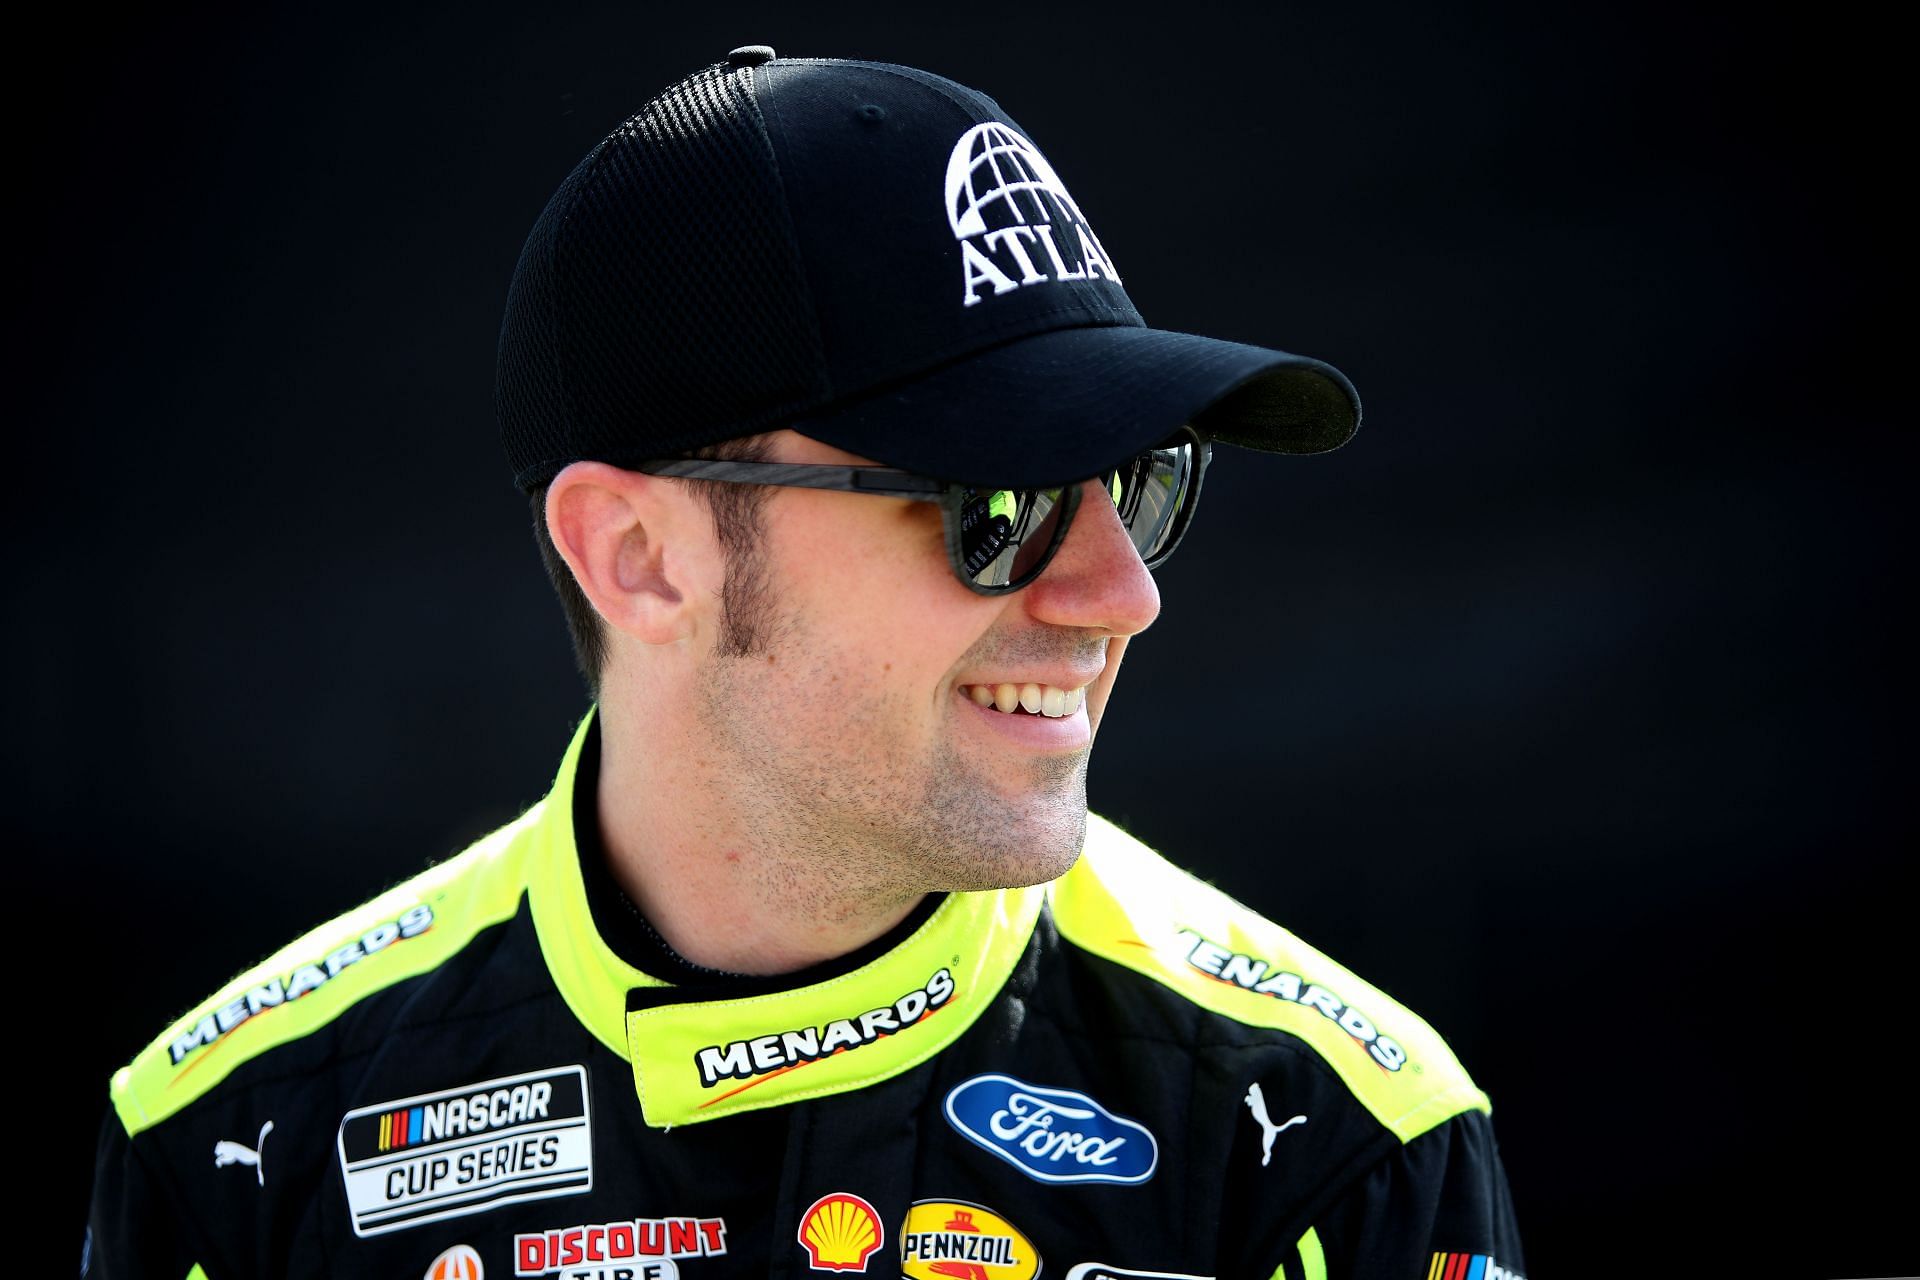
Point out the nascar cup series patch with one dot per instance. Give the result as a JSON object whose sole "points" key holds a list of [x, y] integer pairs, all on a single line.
{"points": [[1051, 1135], [467, 1149]]}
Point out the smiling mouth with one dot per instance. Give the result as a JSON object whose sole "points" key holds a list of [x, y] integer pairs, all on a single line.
{"points": [[1028, 699]]}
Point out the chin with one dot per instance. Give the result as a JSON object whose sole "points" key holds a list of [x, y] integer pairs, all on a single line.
{"points": [[1013, 857]]}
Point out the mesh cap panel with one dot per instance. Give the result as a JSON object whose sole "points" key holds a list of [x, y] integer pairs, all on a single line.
{"points": [[659, 304]]}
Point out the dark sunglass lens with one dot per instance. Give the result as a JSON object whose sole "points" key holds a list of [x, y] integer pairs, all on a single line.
{"points": [[1006, 534], [986, 527], [1150, 493]]}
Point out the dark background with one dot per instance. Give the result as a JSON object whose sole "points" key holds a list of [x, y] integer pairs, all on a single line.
{"points": [[1560, 703]]}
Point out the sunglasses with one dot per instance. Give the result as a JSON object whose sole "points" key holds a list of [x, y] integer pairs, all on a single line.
{"points": [[999, 540]]}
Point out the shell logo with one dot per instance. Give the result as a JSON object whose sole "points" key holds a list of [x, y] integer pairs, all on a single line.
{"points": [[955, 1240], [840, 1232], [458, 1263]]}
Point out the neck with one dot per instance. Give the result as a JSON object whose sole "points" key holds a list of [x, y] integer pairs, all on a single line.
{"points": [[725, 884]]}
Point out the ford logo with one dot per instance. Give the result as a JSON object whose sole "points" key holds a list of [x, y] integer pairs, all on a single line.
{"points": [[1054, 1135]]}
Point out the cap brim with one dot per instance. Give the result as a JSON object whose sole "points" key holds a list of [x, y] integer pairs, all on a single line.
{"points": [[1060, 406]]}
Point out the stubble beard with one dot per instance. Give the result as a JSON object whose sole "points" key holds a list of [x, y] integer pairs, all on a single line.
{"points": [[988, 843], [838, 826]]}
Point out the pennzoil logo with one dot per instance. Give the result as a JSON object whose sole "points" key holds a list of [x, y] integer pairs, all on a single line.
{"points": [[644, 1248], [466, 1150], [840, 1231], [783, 1050], [955, 1240], [1253, 974], [308, 977]]}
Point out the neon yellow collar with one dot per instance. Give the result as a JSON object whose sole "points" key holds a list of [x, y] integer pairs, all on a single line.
{"points": [[699, 1061]]}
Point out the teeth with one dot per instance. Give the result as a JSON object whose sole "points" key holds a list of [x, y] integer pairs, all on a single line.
{"points": [[1035, 699]]}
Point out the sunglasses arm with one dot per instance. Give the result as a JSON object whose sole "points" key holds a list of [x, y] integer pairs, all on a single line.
{"points": [[890, 481]]}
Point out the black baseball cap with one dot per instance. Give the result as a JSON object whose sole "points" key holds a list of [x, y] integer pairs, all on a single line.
{"points": [[876, 257]]}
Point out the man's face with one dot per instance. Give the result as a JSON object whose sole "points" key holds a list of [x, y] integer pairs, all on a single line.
{"points": [[856, 727]]}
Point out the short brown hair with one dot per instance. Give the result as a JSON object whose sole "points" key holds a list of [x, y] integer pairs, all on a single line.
{"points": [[746, 598]]}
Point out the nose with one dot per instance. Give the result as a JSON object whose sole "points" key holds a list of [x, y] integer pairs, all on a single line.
{"points": [[1096, 579]]}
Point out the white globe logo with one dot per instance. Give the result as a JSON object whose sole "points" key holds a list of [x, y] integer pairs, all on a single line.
{"points": [[1015, 222], [993, 166]]}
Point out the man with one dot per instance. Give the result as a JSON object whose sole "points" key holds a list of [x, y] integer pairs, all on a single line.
{"points": [[850, 459]]}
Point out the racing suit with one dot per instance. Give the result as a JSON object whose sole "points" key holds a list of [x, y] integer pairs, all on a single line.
{"points": [[496, 1070]]}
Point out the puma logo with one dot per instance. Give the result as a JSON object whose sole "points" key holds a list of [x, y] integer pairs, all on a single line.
{"points": [[1257, 1104], [226, 1153]]}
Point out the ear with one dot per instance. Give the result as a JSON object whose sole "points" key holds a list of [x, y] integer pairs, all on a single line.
{"points": [[640, 547]]}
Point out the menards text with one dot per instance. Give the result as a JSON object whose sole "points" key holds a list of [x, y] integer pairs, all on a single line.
{"points": [[1253, 974], [307, 977], [744, 1059]]}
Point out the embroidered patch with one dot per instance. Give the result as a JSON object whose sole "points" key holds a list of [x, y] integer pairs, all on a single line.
{"points": [[467, 1149], [1052, 1135]]}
